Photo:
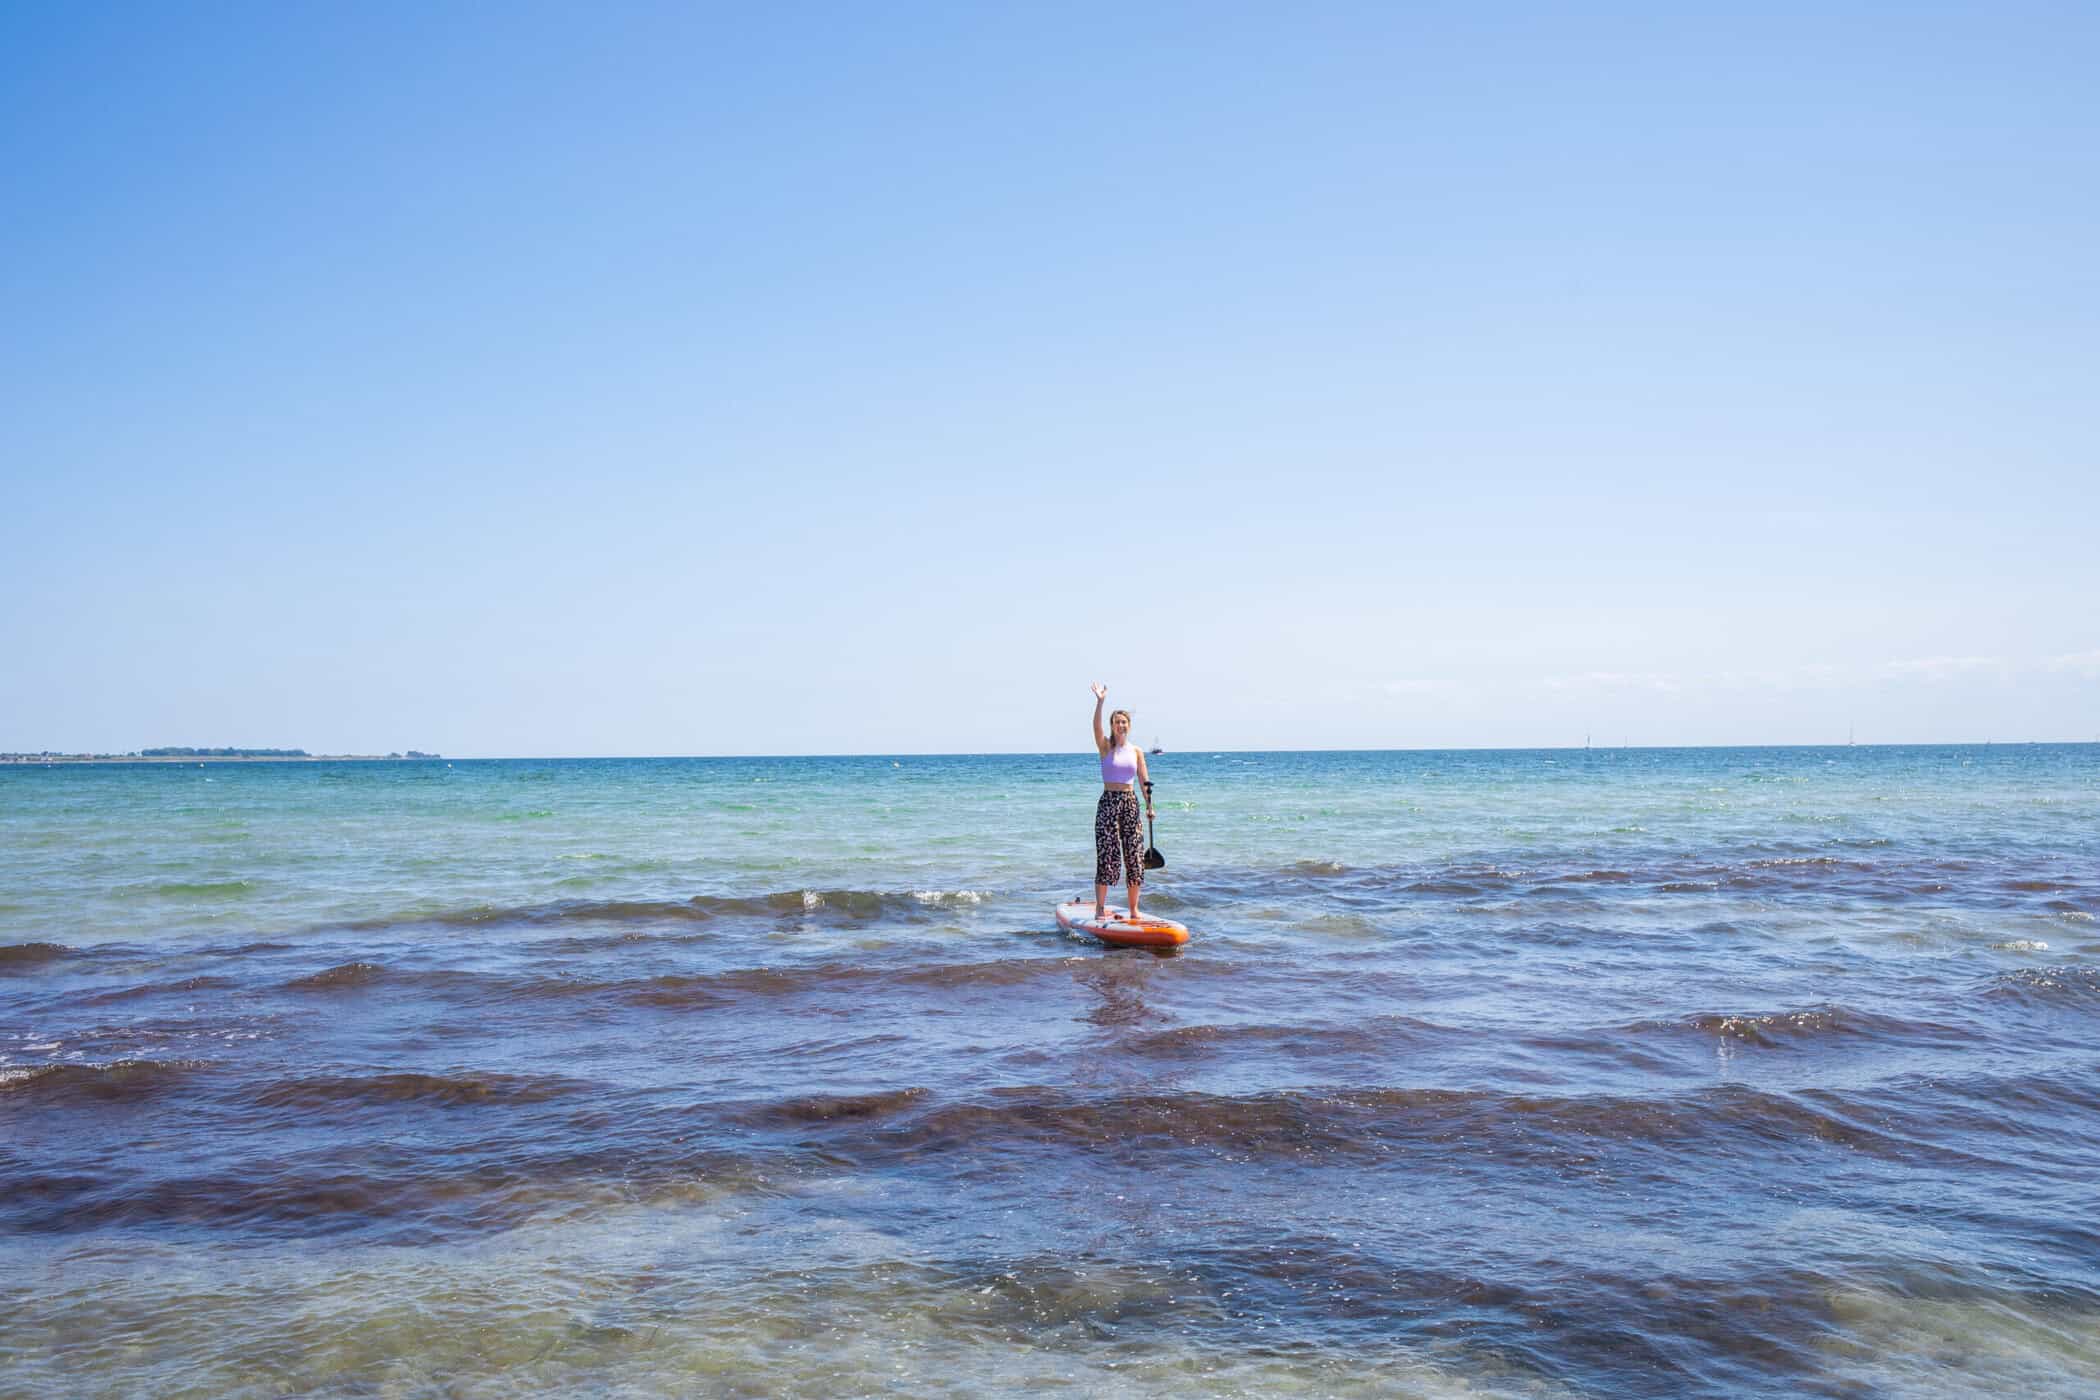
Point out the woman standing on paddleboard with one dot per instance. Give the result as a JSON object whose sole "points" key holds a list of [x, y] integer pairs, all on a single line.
{"points": [[1119, 841]]}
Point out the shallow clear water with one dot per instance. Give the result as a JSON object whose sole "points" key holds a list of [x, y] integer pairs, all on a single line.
{"points": [[1629, 1072]]}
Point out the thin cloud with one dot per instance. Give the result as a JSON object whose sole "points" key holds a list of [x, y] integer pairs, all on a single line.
{"points": [[1940, 668], [1816, 677], [2083, 663], [1662, 681]]}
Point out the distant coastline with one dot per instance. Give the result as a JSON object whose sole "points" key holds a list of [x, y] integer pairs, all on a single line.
{"points": [[215, 756]]}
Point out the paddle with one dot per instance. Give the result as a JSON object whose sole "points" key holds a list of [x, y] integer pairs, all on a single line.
{"points": [[1153, 859]]}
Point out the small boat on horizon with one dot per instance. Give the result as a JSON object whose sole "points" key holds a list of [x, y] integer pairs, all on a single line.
{"points": [[1155, 746]]}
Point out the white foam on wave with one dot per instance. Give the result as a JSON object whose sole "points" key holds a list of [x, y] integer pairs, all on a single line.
{"points": [[2022, 945], [950, 896]]}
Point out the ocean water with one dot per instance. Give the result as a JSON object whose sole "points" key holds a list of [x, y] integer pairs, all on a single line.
{"points": [[1612, 1073]]}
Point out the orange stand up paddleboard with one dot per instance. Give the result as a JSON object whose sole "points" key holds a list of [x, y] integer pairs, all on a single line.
{"points": [[1116, 926]]}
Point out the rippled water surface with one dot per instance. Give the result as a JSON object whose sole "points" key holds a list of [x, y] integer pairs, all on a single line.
{"points": [[1760, 1071]]}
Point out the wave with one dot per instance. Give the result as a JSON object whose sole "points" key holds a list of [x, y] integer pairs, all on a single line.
{"points": [[703, 989], [2050, 986], [186, 986], [1382, 1034], [1367, 1125], [447, 1090], [301, 1204], [1882, 874], [1815, 876], [856, 904], [560, 912], [191, 889], [1465, 882], [842, 904], [838, 980], [344, 977], [835, 1108], [425, 1186], [941, 898], [1811, 1025], [27, 955], [2058, 1105], [409, 1194], [121, 1081]]}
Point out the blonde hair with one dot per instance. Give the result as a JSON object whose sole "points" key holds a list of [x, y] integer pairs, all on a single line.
{"points": [[1112, 725]]}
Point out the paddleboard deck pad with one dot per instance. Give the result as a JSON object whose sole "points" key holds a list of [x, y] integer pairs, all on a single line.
{"points": [[1118, 927]]}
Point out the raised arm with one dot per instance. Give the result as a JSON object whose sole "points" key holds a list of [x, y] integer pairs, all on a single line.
{"points": [[1100, 699]]}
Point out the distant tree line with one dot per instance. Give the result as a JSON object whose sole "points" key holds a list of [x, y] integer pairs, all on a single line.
{"points": [[222, 753]]}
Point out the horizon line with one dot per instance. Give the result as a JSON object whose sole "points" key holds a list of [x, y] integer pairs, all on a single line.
{"points": [[27, 758]]}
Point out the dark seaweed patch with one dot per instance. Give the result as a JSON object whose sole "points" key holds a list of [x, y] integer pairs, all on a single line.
{"points": [[22, 956]]}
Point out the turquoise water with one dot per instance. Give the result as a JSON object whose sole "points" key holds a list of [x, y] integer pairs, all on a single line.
{"points": [[1618, 1072]]}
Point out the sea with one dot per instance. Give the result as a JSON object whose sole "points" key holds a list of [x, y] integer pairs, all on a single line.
{"points": [[1625, 1072]]}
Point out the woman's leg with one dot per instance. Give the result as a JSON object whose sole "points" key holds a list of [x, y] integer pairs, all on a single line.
{"points": [[1133, 850], [1105, 837]]}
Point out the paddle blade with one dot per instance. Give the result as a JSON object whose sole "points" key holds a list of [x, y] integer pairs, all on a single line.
{"points": [[1153, 859]]}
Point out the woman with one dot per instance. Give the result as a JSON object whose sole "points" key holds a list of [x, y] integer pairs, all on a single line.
{"points": [[1118, 839]]}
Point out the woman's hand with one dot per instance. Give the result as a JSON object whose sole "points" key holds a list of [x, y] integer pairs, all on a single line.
{"points": [[1100, 691]]}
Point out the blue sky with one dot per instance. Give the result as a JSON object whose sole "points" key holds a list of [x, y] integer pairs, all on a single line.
{"points": [[513, 379]]}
